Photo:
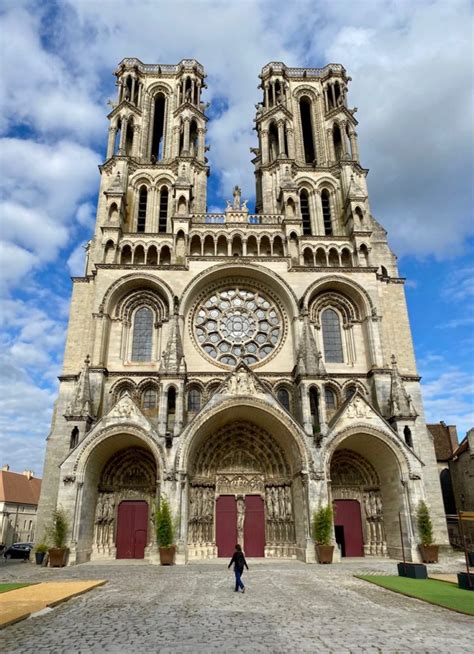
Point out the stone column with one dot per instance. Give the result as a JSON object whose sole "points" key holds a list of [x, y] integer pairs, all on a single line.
{"points": [[200, 152], [111, 142], [265, 90], [187, 124], [342, 129], [332, 154], [132, 95], [265, 153], [123, 135], [354, 148], [291, 142], [333, 95], [136, 141], [281, 138]]}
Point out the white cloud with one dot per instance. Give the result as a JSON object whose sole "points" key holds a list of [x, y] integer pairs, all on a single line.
{"points": [[76, 261], [42, 185], [447, 392], [459, 285], [39, 89]]}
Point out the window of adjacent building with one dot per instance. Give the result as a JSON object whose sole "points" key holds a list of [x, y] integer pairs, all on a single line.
{"points": [[305, 213], [171, 408], [330, 399], [149, 398], [142, 335], [74, 438], [332, 336], [326, 207], [350, 391], [163, 217], [284, 398], [194, 400], [142, 202], [314, 406]]}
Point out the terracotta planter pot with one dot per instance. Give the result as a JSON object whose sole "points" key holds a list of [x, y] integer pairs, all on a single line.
{"points": [[429, 553], [57, 557], [167, 555], [324, 553]]}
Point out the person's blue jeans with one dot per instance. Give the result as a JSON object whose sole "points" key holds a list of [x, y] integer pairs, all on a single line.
{"points": [[238, 580]]}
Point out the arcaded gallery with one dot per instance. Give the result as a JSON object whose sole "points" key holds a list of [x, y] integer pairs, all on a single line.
{"points": [[250, 365]]}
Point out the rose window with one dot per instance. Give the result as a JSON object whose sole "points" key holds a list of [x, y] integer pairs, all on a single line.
{"points": [[238, 324]]}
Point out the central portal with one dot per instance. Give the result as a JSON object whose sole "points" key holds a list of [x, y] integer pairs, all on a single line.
{"points": [[240, 520], [241, 491]]}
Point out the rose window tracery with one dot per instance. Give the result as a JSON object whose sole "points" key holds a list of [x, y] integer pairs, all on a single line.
{"points": [[238, 323]]}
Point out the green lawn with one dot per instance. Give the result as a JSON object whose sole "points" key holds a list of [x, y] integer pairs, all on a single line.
{"points": [[433, 591], [4, 588]]}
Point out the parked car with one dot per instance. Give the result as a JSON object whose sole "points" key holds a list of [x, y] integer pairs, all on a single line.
{"points": [[18, 551]]}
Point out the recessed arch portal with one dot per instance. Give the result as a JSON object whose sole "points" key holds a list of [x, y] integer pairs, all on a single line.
{"points": [[230, 455]]}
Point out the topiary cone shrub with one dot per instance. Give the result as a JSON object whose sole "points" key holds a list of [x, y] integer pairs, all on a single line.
{"points": [[429, 551], [165, 532], [58, 533], [322, 532]]}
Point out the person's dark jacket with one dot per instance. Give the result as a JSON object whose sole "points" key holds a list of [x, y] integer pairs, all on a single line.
{"points": [[238, 559]]}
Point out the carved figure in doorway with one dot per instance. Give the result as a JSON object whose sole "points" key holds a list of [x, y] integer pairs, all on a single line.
{"points": [[240, 518]]}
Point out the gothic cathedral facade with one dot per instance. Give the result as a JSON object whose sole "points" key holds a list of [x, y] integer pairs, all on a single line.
{"points": [[251, 367]]}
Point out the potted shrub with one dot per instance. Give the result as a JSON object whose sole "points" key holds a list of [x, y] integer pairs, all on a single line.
{"points": [[40, 553], [322, 532], [429, 552], [165, 532], [58, 532]]}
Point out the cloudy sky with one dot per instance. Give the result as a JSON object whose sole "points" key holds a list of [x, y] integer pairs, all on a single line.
{"points": [[412, 83]]}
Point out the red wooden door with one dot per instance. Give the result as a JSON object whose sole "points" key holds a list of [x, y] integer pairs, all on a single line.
{"points": [[348, 517], [132, 528], [226, 525], [254, 526]]}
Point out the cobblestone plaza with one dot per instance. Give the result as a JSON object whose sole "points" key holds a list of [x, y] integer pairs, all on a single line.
{"points": [[288, 607]]}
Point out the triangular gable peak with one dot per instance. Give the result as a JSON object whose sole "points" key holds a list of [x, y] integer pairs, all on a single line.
{"points": [[125, 411], [358, 411], [242, 381]]}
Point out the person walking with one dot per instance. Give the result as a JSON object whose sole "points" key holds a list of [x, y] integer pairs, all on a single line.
{"points": [[238, 559]]}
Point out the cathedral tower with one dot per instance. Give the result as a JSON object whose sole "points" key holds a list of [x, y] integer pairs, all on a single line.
{"points": [[249, 366]]}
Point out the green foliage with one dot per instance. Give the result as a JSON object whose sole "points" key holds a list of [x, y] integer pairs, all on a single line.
{"points": [[164, 524], [41, 548], [58, 529], [322, 525], [425, 526]]}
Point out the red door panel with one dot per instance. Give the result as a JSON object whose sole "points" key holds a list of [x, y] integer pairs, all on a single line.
{"points": [[254, 526], [348, 516], [132, 528], [226, 525]]}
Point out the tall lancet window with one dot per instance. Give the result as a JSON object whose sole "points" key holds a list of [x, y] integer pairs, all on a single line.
{"points": [[307, 130], [158, 134], [326, 207], [142, 202], [305, 213], [332, 337], [142, 342]]}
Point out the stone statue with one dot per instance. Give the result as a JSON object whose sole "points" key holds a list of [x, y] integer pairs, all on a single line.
{"points": [[237, 195], [240, 519]]}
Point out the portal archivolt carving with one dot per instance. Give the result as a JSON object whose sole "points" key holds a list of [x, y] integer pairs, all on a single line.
{"points": [[354, 478]]}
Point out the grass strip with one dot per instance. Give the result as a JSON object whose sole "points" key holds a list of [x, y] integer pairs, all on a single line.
{"points": [[4, 588], [432, 591]]}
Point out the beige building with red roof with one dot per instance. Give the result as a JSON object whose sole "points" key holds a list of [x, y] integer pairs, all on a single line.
{"points": [[19, 496]]}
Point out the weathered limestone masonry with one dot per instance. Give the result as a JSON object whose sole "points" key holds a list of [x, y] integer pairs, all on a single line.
{"points": [[250, 366]]}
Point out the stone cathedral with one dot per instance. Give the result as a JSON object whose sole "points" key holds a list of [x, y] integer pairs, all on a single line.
{"points": [[250, 366]]}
